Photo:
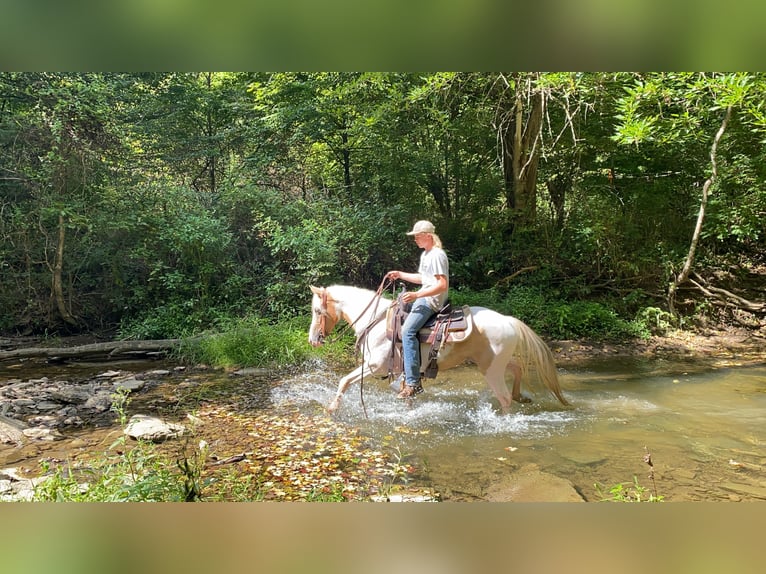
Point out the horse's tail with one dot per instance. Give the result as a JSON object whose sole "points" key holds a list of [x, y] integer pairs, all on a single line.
{"points": [[537, 354]]}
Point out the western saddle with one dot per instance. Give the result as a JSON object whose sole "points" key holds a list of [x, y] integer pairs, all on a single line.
{"points": [[446, 326]]}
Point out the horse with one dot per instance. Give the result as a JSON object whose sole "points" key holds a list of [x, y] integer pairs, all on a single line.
{"points": [[495, 344]]}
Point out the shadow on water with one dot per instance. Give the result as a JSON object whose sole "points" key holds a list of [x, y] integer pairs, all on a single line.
{"points": [[703, 428]]}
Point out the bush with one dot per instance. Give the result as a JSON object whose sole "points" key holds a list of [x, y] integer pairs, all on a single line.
{"points": [[171, 320], [125, 473], [553, 318], [655, 321], [254, 342]]}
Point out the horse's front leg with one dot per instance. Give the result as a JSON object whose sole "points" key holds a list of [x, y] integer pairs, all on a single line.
{"points": [[352, 377]]}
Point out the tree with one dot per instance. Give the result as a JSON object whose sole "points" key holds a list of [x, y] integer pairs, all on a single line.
{"points": [[677, 110], [57, 135], [519, 122]]}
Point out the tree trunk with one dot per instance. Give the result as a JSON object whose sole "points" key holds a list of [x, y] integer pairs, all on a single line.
{"points": [[109, 349], [210, 136], [683, 276], [558, 186], [57, 289], [346, 155], [520, 142]]}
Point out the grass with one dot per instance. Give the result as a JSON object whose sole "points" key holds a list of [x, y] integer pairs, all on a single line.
{"points": [[255, 342], [632, 492]]}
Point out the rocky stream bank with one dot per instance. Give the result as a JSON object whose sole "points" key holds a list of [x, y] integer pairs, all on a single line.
{"points": [[68, 415]]}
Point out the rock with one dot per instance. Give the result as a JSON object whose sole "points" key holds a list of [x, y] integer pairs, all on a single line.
{"points": [[47, 421], [42, 433], [131, 385], [73, 422], [47, 406], [251, 372], [22, 403], [107, 374], [142, 427], [529, 484], [195, 421], [11, 431], [15, 488], [750, 490], [9, 382], [584, 457], [72, 395], [99, 402]]}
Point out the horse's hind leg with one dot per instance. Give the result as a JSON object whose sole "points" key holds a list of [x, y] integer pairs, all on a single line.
{"points": [[516, 393], [495, 377]]}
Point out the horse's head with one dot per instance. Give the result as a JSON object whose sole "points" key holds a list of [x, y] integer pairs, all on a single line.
{"points": [[324, 316]]}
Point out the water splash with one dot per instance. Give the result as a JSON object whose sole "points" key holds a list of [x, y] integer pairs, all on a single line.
{"points": [[444, 410]]}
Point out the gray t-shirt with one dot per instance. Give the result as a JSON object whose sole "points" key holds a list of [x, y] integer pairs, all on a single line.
{"points": [[433, 263]]}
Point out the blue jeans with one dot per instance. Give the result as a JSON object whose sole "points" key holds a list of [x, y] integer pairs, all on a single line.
{"points": [[420, 313]]}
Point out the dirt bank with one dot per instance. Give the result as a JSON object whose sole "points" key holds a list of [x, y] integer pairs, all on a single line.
{"points": [[714, 348]]}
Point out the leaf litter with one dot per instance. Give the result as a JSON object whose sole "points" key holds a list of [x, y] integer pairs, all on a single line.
{"points": [[294, 456]]}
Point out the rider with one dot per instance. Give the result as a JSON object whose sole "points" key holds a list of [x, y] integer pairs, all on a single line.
{"points": [[433, 276]]}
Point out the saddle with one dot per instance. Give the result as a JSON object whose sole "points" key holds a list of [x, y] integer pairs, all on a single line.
{"points": [[448, 325]]}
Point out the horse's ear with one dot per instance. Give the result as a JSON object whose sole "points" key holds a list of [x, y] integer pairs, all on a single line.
{"points": [[316, 290]]}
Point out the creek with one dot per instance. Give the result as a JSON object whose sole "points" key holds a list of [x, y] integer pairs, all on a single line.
{"points": [[704, 430], [703, 427]]}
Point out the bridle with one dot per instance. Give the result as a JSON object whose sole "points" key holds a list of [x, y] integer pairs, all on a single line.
{"points": [[324, 314]]}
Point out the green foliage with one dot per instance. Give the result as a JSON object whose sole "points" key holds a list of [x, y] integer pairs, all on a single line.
{"points": [[138, 475], [655, 321], [185, 197], [622, 492], [254, 342], [552, 317], [169, 321], [127, 473]]}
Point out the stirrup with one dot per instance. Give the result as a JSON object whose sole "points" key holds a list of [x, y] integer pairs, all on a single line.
{"points": [[397, 385]]}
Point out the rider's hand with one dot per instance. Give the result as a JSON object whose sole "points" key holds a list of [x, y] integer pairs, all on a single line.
{"points": [[409, 296]]}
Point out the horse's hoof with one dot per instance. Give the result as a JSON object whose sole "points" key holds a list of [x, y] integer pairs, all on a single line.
{"points": [[522, 399], [333, 406]]}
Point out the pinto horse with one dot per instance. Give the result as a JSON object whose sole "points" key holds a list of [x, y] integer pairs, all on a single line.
{"points": [[496, 343]]}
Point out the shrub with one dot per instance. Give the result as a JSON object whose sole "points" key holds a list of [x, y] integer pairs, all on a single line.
{"points": [[553, 317], [254, 342]]}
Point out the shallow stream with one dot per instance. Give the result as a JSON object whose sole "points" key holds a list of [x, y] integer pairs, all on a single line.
{"points": [[705, 431], [704, 428]]}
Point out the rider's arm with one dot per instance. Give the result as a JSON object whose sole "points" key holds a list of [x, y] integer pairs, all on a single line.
{"points": [[409, 277], [440, 287]]}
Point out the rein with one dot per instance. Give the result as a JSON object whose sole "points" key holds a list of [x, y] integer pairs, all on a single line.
{"points": [[338, 334], [362, 337]]}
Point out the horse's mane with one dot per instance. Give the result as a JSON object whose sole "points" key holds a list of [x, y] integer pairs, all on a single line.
{"points": [[348, 296]]}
